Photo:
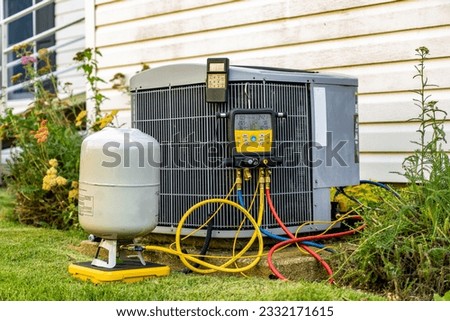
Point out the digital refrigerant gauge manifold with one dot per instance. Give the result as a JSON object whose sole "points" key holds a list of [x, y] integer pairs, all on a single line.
{"points": [[251, 133]]}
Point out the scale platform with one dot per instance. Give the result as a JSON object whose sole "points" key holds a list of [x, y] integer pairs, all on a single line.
{"points": [[126, 271]]}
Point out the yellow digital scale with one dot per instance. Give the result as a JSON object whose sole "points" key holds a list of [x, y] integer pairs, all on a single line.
{"points": [[128, 272]]}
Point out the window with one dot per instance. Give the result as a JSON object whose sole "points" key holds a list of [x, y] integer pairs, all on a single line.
{"points": [[24, 28]]}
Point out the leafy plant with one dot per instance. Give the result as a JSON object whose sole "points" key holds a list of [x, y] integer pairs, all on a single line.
{"points": [[405, 249], [445, 297], [43, 175], [89, 66]]}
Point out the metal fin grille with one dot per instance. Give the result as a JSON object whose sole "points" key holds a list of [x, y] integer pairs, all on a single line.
{"points": [[194, 143]]}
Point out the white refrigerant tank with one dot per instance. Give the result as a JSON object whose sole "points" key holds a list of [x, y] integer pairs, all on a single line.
{"points": [[119, 184]]}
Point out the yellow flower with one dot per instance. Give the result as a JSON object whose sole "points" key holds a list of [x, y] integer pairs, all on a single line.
{"points": [[21, 47], [73, 194], [44, 70], [42, 53], [51, 171], [61, 181], [80, 117], [74, 184], [51, 179], [46, 186], [107, 119], [15, 78], [53, 163], [48, 182]]}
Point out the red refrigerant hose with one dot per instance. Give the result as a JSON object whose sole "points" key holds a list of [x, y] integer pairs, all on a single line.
{"points": [[302, 239]]}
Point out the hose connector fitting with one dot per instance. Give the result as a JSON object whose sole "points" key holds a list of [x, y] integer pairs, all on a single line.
{"points": [[247, 174], [262, 178], [268, 173], [238, 179]]}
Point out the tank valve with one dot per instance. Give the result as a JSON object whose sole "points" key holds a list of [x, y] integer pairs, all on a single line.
{"points": [[94, 238]]}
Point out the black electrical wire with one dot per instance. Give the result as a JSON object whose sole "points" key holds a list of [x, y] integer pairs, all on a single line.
{"points": [[205, 246], [210, 225], [340, 190], [386, 187]]}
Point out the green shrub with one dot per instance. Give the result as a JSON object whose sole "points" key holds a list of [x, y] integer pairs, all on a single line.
{"points": [[405, 249], [44, 175]]}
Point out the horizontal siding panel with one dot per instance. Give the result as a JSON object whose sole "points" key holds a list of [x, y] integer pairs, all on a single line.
{"points": [[116, 100], [394, 137], [70, 33], [65, 58], [249, 49], [123, 119], [140, 9], [382, 167], [68, 6], [69, 17], [337, 24], [352, 51], [116, 11], [397, 76], [77, 82], [397, 107], [103, 2]]}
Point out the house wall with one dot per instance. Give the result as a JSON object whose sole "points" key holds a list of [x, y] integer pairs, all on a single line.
{"points": [[374, 40], [67, 11]]}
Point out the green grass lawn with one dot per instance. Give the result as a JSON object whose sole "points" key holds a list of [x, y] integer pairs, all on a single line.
{"points": [[34, 262]]}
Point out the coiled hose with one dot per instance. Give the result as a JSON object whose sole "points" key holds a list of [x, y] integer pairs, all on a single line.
{"points": [[194, 263]]}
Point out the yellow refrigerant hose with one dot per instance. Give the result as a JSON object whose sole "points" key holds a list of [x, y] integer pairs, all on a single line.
{"points": [[210, 268]]}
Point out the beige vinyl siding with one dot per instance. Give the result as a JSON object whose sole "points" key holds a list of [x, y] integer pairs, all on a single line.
{"points": [[373, 40], [67, 11]]}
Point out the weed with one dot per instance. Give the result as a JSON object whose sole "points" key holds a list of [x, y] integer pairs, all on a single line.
{"points": [[406, 248]]}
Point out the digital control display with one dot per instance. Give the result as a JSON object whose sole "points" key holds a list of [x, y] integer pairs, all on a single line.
{"points": [[253, 121], [252, 132], [217, 80], [217, 66]]}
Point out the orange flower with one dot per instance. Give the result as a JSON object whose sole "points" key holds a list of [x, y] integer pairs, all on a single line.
{"points": [[42, 133]]}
